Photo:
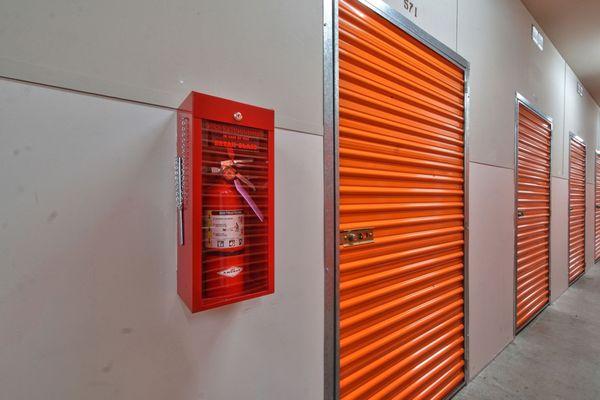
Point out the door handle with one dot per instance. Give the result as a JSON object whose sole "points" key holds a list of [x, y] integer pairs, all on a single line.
{"points": [[520, 213], [357, 236], [597, 206]]}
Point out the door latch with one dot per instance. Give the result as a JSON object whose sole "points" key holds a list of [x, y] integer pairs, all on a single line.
{"points": [[355, 237]]}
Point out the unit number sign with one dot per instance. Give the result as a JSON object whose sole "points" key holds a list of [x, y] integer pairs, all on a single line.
{"points": [[411, 8]]}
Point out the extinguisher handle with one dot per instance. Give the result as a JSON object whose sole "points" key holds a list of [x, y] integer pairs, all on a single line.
{"points": [[230, 163]]}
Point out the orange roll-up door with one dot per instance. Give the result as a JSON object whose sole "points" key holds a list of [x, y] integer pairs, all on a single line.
{"points": [[401, 166], [576, 208], [533, 215], [597, 209]]}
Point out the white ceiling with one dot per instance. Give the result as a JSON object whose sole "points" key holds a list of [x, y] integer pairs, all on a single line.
{"points": [[574, 28]]}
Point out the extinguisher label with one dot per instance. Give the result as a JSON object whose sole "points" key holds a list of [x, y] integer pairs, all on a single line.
{"points": [[231, 272], [225, 229]]}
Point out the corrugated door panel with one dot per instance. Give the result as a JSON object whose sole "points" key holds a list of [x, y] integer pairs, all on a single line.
{"points": [[597, 209], [576, 209], [401, 160], [533, 215]]}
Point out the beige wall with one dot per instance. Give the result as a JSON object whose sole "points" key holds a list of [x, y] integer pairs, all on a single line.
{"points": [[266, 52], [559, 236], [491, 279], [437, 17], [88, 301], [88, 305]]}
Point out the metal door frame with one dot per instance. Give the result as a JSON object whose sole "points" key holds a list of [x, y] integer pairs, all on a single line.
{"points": [[331, 176], [579, 139], [596, 210], [522, 100]]}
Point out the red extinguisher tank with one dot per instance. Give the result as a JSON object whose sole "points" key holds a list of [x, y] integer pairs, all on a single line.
{"points": [[225, 263]]}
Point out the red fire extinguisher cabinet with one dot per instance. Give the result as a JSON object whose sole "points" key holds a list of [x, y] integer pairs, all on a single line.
{"points": [[225, 201]]}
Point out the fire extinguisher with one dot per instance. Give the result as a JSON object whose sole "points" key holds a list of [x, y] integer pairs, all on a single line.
{"points": [[226, 264]]}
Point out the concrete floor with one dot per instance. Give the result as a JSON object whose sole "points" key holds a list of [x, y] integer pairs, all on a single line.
{"points": [[556, 357]]}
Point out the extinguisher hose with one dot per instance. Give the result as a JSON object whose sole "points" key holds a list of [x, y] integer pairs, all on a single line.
{"points": [[248, 199]]}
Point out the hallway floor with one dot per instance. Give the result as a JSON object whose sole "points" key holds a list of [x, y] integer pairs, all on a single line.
{"points": [[556, 357]]}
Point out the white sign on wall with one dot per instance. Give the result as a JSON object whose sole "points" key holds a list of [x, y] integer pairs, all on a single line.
{"points": [[537, 37]]}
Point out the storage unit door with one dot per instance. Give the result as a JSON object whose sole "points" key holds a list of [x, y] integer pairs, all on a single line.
{"points": [[401, 166], [533, 215], [597, 209], [576, 209]]}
